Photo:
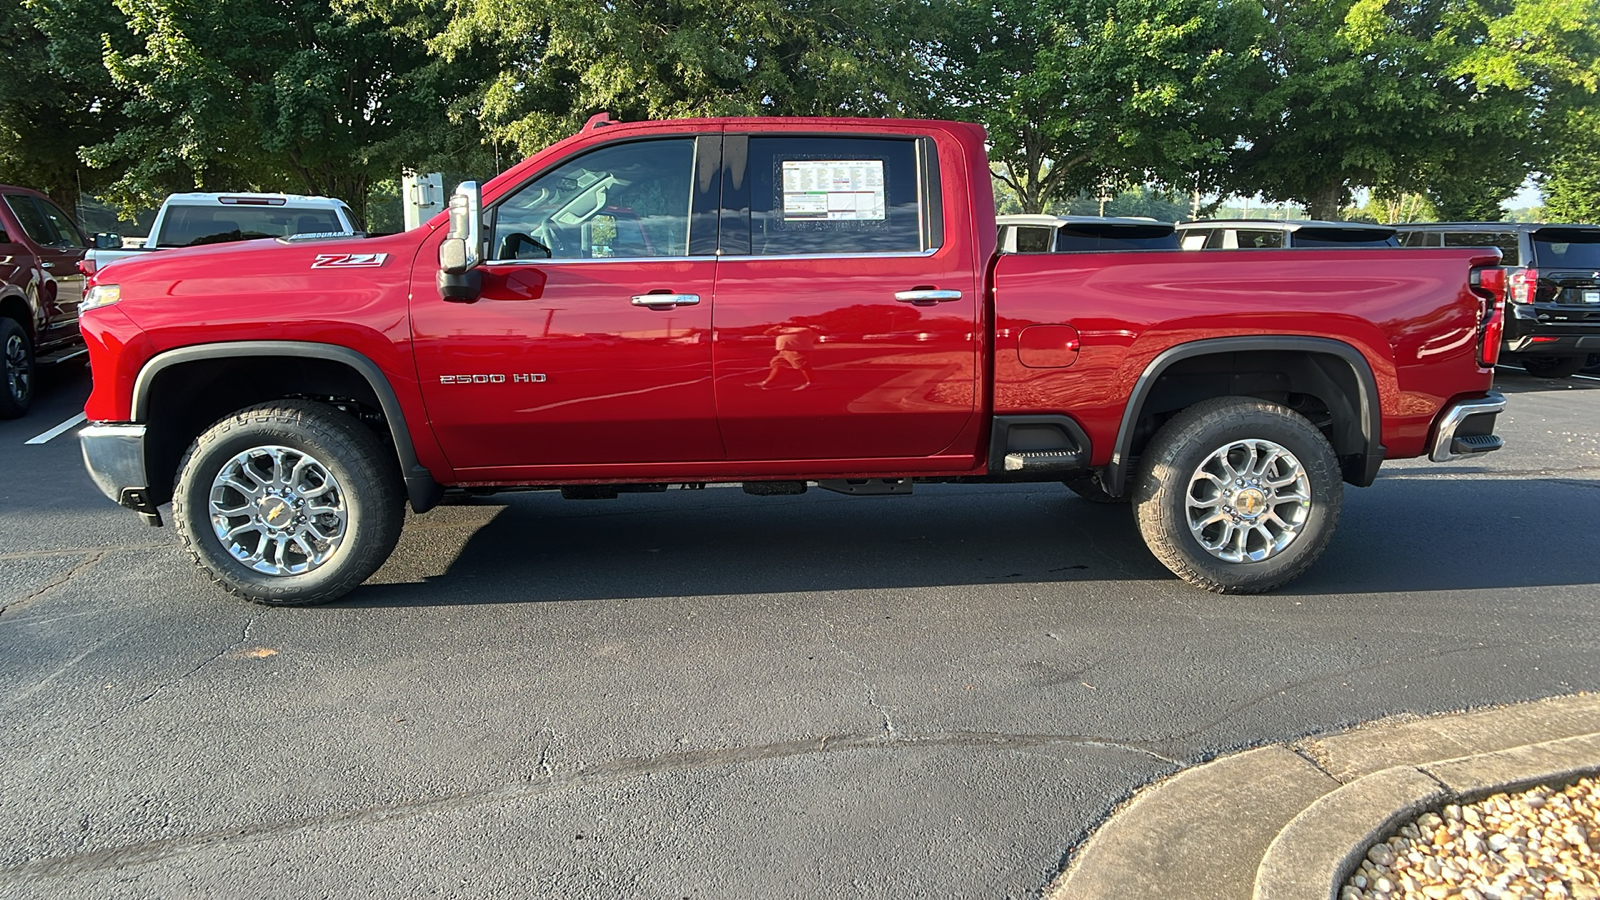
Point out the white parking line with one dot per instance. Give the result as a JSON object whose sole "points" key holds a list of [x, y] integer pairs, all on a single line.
{"points": [[1588, 377], [59, 430]]}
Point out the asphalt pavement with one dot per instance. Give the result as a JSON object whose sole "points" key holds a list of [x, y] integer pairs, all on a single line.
{"points": [[708, 695]]}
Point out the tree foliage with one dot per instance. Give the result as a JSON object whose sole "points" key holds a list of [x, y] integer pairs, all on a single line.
{"points": [[1441, 97], [1090, 95], [54, 95], [555, 62], [276, 95]]}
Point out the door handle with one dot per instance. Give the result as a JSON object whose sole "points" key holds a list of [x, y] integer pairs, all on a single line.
{"points": [[48, 265], [665, 301], [927, 297]]}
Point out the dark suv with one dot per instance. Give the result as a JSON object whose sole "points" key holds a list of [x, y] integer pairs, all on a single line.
{"points": [[1553, 279]]}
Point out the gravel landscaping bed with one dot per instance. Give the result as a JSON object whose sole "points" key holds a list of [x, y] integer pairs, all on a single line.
{"points": [[1541, 844]]}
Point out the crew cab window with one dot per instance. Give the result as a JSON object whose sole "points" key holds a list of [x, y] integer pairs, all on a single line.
{"points": [[1506, 241], [627, 200], [195, 226], [43, 223], [1566, 248], [836, 195], [1256, 239], [1032, 239], [1086, 237]]}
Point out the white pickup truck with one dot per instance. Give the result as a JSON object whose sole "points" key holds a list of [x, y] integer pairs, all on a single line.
{"points": [[191, 220]]}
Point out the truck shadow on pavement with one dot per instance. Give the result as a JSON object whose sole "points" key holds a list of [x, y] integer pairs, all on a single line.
{"points": [[1401, 535], [536, 547]]}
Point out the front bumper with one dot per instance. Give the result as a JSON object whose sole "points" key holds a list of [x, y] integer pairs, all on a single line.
{"points": [[114, 455], [1466, 428]]}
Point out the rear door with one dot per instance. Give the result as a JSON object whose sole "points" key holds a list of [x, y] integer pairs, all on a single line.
{"points": [[846, 320]]}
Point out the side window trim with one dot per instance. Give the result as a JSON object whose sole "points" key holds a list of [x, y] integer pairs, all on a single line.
{"points": [[737, 229], [492, 214]]}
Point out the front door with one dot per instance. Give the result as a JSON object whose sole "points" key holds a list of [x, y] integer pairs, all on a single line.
{"points": [[846, 326], [590, 344]]}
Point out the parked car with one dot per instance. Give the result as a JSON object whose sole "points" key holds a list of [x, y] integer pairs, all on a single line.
{"points": [[1082, 234], [1553, 273], [197, 219], [1270, 234], [40, 288], [819, 301]]}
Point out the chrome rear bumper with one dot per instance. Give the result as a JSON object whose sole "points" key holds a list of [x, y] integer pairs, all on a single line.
{"points": [[1466, 428]]}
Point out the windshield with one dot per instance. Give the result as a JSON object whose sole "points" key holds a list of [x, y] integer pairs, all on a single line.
{"points": [[1567, 248], [193, 226], [1096, 236]]}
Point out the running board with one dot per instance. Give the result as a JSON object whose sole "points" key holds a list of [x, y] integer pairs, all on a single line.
{"points": [[867, 487], [1030, 461]]}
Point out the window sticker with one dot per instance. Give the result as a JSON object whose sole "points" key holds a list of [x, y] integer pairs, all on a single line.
{"points": [[833, 190]]}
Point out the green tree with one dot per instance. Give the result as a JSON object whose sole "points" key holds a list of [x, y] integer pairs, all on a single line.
{"points": [[556, 62], [1441, 97], [55, 96], [279, 95], [1093, 95], [1571, 181]]}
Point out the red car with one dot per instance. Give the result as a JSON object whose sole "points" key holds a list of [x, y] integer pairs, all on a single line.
{"points": [[778, 302], [40, 286]]}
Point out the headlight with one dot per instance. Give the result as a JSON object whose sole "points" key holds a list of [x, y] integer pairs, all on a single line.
{"points": [[100, 295]]}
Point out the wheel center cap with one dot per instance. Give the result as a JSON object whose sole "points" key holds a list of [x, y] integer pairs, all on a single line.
{"points": [[275, 511], [1250, 502]]}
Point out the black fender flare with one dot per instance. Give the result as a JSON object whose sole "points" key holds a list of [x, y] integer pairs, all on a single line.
{"points": [[421, 488], [1370, 411]]}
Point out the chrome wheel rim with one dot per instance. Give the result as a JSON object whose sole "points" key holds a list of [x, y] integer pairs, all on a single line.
{"points": [[1248, 501], [18, 379], [278, 510]]}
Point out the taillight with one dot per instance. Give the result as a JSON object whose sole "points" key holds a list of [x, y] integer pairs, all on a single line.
{"points": [[1492, 322], [86, 266], [1523, 284]]}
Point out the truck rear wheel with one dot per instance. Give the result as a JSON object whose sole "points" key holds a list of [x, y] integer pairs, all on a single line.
{"points": [[288, 503], [1237, 495], [16, 382]]}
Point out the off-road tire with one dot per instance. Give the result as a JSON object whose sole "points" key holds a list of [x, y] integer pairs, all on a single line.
{"points": [[1087, 486], [1167, 466], [366, 470], [1553, 366], [18, 371]]}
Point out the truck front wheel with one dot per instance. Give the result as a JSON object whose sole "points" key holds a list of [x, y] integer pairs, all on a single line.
{"points": [[288, 503], [1237, 495], [16, 356]]}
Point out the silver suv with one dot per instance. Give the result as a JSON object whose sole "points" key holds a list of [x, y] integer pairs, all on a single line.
{"points": [[1269, 234]]}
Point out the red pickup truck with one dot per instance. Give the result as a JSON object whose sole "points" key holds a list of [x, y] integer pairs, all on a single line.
{"points": [[777, 302]]}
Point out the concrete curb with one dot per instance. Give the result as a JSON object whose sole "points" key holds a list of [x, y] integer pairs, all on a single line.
{"points": [[1322, 847], [1292, 822]]}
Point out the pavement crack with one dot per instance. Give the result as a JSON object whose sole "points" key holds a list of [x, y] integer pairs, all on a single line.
{"points": [[860, 671], [612, 771], [244, 637], [89, 559]]}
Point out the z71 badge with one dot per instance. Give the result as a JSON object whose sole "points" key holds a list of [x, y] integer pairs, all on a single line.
{"points": [[349, 260]]}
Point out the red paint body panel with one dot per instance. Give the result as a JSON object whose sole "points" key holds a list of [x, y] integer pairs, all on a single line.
{"points": [[1410, 313], [797, 367]]}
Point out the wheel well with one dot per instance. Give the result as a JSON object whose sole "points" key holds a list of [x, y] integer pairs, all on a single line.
{"points": [[187, 398], [17, 308], [1323, 387]]}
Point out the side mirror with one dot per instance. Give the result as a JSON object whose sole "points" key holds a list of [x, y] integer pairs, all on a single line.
{"points": [[107, 241], [462, 250]]}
